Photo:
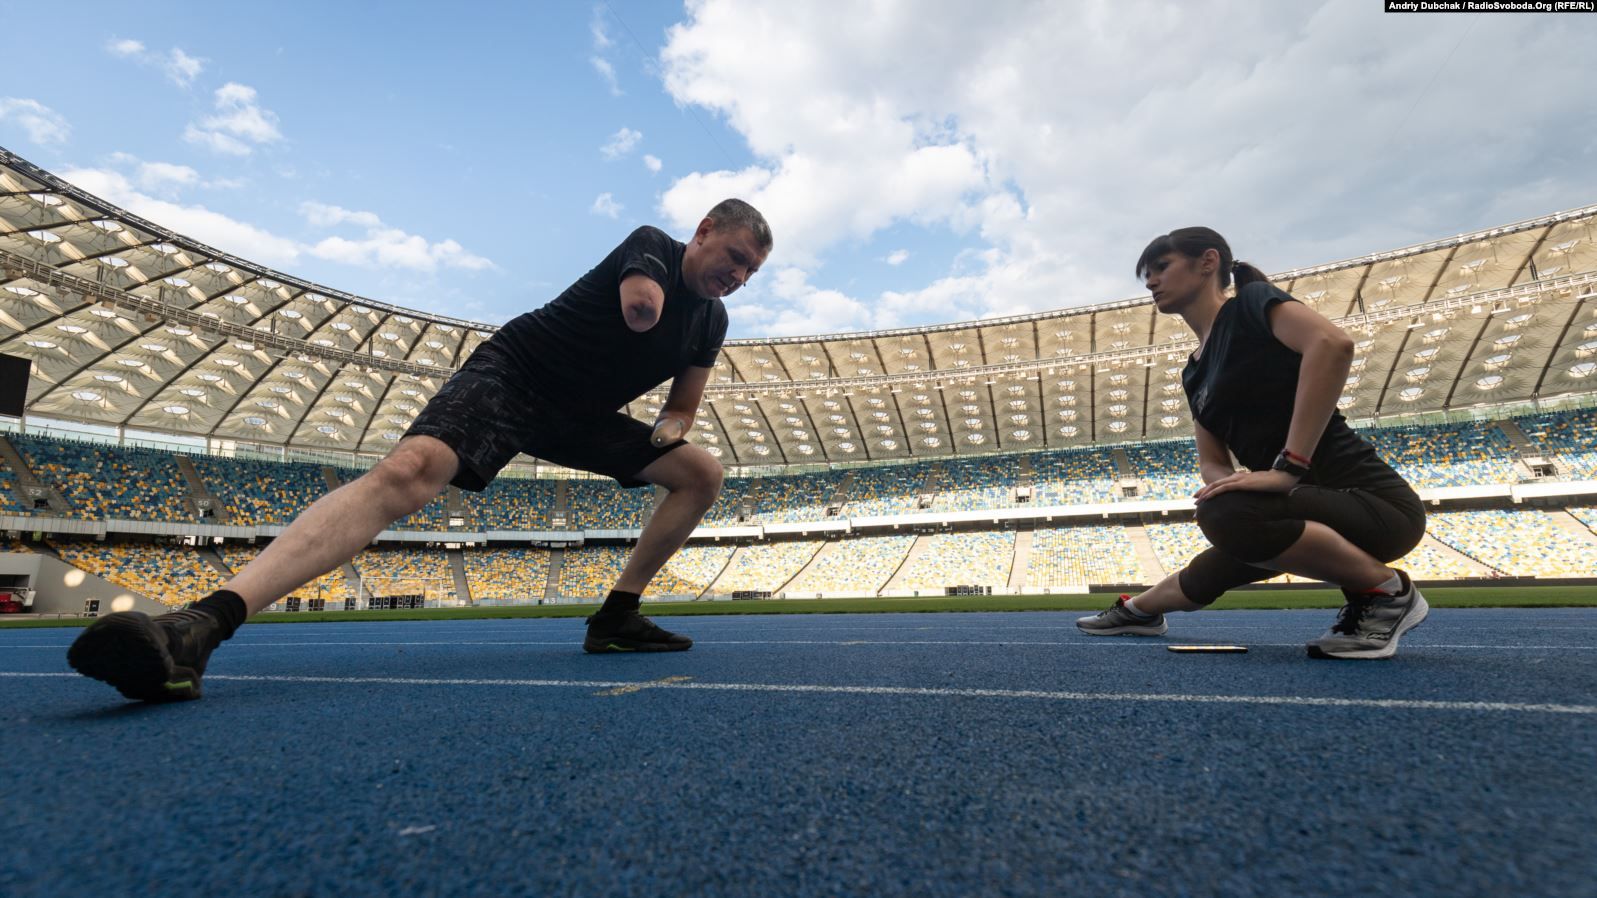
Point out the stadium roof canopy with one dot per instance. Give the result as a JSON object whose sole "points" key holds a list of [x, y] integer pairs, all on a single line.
{"points": [[131, 325]]}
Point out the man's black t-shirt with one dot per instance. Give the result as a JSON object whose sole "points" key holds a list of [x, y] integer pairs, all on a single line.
{"points": [[578, 351], [1243, 387]]}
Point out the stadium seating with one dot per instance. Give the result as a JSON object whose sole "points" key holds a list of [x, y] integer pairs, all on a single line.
{"points": [[857, 567], [507, 574], [690, 571], [589, 572], [1073, 477], [172, 575], [405, 571], [765, 567], [887, 490], [511, 504], [604, 505], [1519, 543], [801, 497], [961, 559], [104, 481], [1168, 470], [1446, 454], [1570, 437], [9, 503], [1073, 556], [261, 492], [981, 483]]}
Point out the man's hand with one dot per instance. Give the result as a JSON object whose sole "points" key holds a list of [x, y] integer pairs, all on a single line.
{"points": [[1254, 481], [667, 430]]}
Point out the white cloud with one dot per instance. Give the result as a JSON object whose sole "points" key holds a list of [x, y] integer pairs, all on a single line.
{"points": [[238, 123], [1055, 143], [605, 204], [596, 27], [379, 247], [621, 143], [43, 124], [202, 224], [652, 163], [896, 257], [382, 246], [322, 215], [607, 72], [216, 141], [125, 47], [179, 67], [602, 42], [154, 175]]}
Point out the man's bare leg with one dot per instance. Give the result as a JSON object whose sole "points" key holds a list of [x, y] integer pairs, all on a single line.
{"points": [[163, 659], [692, 478], [335, 528]]}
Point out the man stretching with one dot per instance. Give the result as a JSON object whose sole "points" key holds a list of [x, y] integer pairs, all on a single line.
{"points": [[550, 384]]}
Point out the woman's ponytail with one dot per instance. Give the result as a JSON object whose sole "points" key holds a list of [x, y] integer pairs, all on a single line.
{"points": [[1244, 274]]}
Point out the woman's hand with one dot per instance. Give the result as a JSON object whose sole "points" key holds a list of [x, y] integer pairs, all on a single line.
{"points": [[1253, 481]]}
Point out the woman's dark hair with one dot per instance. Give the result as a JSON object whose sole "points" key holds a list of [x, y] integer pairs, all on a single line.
{"points": [[1191, 242]]}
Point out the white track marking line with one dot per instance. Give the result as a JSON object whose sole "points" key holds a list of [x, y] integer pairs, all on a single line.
{"points": [[913, 692]]}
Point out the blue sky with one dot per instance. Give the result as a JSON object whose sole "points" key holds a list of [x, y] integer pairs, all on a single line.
{"points": [[929, 162]]}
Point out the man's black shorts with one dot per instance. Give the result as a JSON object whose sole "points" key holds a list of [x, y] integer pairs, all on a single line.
{"points": [[489, 411]]}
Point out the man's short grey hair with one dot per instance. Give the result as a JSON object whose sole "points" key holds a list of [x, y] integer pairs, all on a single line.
{"points": [[738, 214]]}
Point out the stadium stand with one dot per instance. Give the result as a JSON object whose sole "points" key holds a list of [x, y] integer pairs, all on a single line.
{"points": [[801, 497], [1168, 470], [1519, 543], [1074, 556], [691, 571], [389, 572], [261, 492], [168, 574], [511, 504], [1446, 454], [961, 559], [1073, 477], [9, 503], [765, 567], [104, 481], [507, 574], [887, 490], [977, 484], [859, 567], [1570, 437], [603, 505], [588, 572]]}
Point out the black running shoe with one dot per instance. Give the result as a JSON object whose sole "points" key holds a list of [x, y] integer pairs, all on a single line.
{"points": [[629, 631], [159, 659]]}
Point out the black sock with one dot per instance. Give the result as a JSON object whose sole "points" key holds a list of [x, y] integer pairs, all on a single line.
{"points": [[619, 602], [227, 607]]}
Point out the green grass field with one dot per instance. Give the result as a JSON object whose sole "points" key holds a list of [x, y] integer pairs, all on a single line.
{"points": [[1439, 597]]}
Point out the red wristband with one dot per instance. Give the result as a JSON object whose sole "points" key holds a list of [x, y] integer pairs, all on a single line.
{"points": [[1295, 458]]}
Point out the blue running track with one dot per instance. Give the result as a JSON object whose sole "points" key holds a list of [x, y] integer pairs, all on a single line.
{"points": [[947, 755]]}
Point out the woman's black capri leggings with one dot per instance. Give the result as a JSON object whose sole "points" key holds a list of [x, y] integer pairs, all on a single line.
{"points": [[1245, 528]]}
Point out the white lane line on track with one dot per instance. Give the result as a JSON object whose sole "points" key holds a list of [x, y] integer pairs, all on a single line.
{"points": [[914, 692]]}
